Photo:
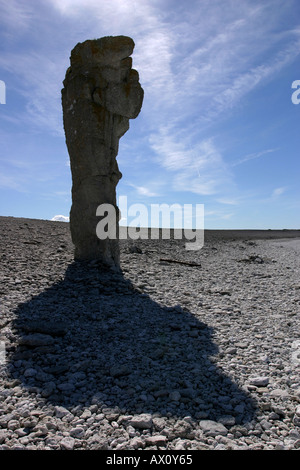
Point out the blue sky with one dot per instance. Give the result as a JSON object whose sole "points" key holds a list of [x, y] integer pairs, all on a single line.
{"points": [[218, 126]]}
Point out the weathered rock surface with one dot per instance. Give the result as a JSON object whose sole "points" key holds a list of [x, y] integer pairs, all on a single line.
{"points": [[101, 93]]}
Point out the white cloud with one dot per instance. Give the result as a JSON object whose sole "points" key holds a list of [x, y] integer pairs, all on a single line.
{"points": [[196, 64], [218, 215], [11, 182], [278, 192], [60, 218], [41, 87], [144, 190], [16, 14], [253, 156], [198, 60], [231, 202], [199, 169], [245, 81], [236, 42], [227, 216]]}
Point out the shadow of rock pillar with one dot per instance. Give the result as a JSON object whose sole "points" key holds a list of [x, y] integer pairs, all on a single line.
{"points": [[101, 93]]}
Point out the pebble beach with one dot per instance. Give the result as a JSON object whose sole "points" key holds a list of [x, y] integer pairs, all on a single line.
{"points": [[179, 350]]}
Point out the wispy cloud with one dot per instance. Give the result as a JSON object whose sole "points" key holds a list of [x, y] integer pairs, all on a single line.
{"points": [[144, 190], [218, 215], [234, 53], [278, 192], [226, 201], [15, 182], [41, 84], [227, 216], [16, 14], [253, 156], [247, 80], [196, 64], [199, 169]]}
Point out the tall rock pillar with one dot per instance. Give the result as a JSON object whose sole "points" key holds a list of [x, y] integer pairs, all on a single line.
{"points": [[101, 93]]}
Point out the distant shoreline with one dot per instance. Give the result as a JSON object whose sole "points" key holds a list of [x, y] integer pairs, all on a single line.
{"points": [[209, 234]]}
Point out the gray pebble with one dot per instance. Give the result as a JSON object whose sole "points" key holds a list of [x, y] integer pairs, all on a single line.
{"points": [[259, 381], [67, 443], [212, 429], [143, 421]]}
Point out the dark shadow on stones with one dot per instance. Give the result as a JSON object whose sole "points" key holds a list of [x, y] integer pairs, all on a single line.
{"points": [[106, 343]]}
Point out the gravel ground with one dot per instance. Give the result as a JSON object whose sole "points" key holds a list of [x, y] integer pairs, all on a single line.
{"points": [[161, 355]]}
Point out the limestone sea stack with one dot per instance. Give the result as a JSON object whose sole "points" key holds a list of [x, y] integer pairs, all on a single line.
{"points": [[101, 93]]}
